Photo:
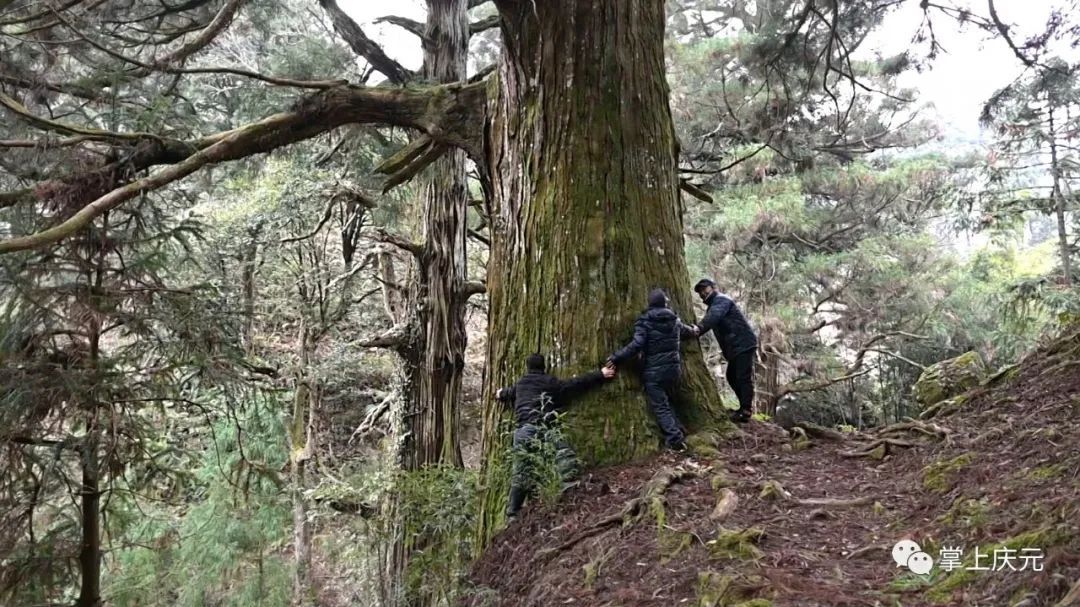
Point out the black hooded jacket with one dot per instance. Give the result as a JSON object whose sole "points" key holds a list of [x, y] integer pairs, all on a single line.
{"points": [[728, 324], [657, 335], [537, 394]]}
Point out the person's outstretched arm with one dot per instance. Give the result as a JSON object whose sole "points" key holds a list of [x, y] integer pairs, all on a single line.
{"points": [[713, 315], [506, 395], [636, 345], [687, 330], [570, 388]]}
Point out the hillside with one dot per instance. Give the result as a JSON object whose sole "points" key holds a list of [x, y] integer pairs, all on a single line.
{"points": [[814, 519]]}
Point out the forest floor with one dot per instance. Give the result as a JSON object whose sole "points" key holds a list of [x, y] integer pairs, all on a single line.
{"points": [[814, 523]]}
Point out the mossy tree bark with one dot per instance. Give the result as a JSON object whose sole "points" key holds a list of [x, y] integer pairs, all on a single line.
{"points": [[438, 295], [587, 217], [433, 352]]}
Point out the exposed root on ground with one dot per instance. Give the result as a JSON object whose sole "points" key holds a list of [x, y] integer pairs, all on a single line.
{"points": [[773, 490], [650, 500]]}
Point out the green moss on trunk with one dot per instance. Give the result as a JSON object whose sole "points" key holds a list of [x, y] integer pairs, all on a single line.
{"points": [[586, 217]]}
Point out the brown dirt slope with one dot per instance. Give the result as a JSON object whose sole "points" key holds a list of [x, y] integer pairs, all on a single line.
{"points": [[815, 519]]}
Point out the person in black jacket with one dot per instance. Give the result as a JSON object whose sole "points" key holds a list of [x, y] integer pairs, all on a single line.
{"points": [[657, 335], [537, 398], [737, 341]]}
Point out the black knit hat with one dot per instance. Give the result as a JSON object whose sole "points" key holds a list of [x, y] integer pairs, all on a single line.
{"points": [[704, 282], [658, 299], [536, 362]]}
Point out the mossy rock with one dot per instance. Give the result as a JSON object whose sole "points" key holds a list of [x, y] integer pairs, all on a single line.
{"points": [[704, 444], [945, 407], [941, 476], [967, 512], [773, 491], [671, 544], [949, 378], [718, 590], [1008, 372], [737, 545], [1044, 473], [720, 480]]}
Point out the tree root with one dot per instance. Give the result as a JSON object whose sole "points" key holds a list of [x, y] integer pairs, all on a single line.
{"points": [[822, 432], [921, 427], [652, 497], [866, 550], [879, 448], [775, 491]]}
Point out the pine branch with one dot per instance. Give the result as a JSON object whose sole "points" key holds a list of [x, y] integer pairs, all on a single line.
{"points": [[447, 110]]}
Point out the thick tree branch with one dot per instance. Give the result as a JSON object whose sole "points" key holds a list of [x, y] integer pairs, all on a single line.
{"points": [[409, 160], [483, 25], [479, 237], [364, 46], [695, 191], [81, 91], [413, 27], [446, 113], [1004, 31], [59, 127], [218, 24], [393, 339], [399, 241], [10, 199], [473, 287], [821, 384]]}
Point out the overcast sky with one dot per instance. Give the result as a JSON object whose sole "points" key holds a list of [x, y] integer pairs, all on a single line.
{"points": [[957, 84]]}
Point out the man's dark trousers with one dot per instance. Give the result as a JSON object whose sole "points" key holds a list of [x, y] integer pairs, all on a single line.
{"points": [[661, 388], [529, 442], [740, 376]]}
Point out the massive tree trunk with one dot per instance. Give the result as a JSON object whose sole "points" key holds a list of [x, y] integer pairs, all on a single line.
{"points": [[587, 217], [434, 352], [438, 293]]}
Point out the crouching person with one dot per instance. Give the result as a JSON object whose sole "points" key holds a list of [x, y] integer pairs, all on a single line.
{"points": [[537, 398]]}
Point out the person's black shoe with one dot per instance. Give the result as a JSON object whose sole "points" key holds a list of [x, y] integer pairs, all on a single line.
{"points": [[740, 417], [679, 447]]}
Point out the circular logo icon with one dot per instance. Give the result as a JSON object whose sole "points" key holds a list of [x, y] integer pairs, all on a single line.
{"points": [[903, 550], [920, 563]]}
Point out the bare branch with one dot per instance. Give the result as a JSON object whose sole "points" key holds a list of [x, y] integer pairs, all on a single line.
{"points": [[392, 339], [413, 27], [484, 24], [10, 199], [695, 191], [473, 287], [364, 46], [1004, 31], [795, 388], [399, 241], [476, 235], [218, 24], [409, 161]]}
